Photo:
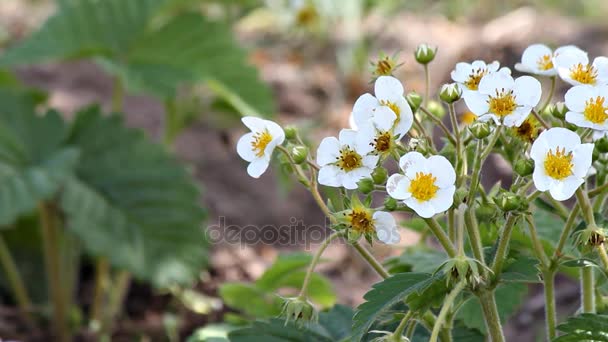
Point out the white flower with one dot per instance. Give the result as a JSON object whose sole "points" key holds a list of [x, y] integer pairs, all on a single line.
{"points": [[468, 75], [503, 99], [342, 162], [573, 67], [537, 59], [587, 106], [378, 132], [257, 146], [426, 186], [561, 162], [386, 227], [364, 221], [389, 94]]}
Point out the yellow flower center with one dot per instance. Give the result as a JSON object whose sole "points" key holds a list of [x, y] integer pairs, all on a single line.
{"points": [[558, 165], [361, 221], [382, 142], [595, 111], [384, 67], [423, 187], [527, 131], [585, 74], [260, 141], [307, 15], [468, 118], [503, 103], [349, 159], [474, 78], [393, 106], [545, 63]]}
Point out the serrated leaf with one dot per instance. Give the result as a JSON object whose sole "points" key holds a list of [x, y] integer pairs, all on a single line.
{"points": [[384, 295], [416, 260], [509, 297], [584, 328], [523, 269], [134, 203]]}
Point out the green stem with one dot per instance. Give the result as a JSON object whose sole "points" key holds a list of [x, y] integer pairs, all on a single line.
{"points": [[447, 304], [550, 313], [451, 225], [315, 261], [422, 131], [427, 85], [441, 236], [397, 335], [459, 153], [448, 134], [371, 260], [429, 320], [503, 244], [603, 256], [102, 281], [566, 232], [15, 281], [562, 211], [492, 319], [118, 293], [460, 228], [550, 96], [52, 258], [586, 207], [540, 119], [474, 236], [537, 246], [587, 290]]}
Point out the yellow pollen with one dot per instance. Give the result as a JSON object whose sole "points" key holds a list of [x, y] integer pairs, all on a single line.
{"points": [[558, 165], [384, 67], [595, 111], [527, 131], [585, 74], [382, 142], [393, 106], [423, 187], [361, 221], [545, 63], [468, 118], [474, 78], [503, 103], [260, 141], [349, 159]]}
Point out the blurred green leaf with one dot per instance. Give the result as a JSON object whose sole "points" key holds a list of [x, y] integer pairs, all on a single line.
{"points": [[416, 259], [584, 328], [523, 270], [251, 300]]}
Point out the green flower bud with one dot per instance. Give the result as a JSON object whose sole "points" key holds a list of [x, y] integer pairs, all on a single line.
{"points": [[602, 145], [291, 132], [524, 167], [365, 186], [299, 154], [299, 309], [595, 155], [508, 201], [380, 175], [480, 130], [414, 100], [425, 53], [460, 196], [559, 110], [486, 212], [436, 108], [450, 93], [390, 203]]}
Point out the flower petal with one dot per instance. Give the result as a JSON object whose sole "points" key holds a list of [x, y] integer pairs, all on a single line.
{"points": [[257, 167], [254, 123], [477, 103], [406, 118], [350, 179], [423, 209], [370, 161], [384, 118], [533, 53], [443, 200], [527, 91], [519, 115], [388, 88], [563, 190], [576, 97], [397, 187], [386, 227], [601, 65], [442, 169], [411, 163], [243, 147], [328, 151], [330, 175], [363, 108], [348, 137], [582, 159], [497, 81]]}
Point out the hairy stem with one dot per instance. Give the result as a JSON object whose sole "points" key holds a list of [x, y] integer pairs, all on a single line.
{"points": [[566, 232], [550, 313], [490, 313], [441, 236], [438, 122], [315, 261], [503, 244], [540, 119], [587, 291], [537, 246], [404, 322], [371, 260], [427, 85], [601, 250], [447, 304], [102, 281]]}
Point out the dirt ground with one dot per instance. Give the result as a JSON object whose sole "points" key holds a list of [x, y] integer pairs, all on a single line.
{"points": [[314, 90]]}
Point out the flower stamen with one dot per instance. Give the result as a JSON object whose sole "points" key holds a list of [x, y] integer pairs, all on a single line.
{"points": [[382, 142], [595, 110], [558, 165], [361, 221], [503, 103], [423, 187], [545, 63], [349, 159], [260, 141], [585, 74], [474, 78]]}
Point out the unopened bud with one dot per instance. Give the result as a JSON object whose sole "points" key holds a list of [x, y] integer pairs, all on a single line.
{"points": [[508, 201], [299, 309], [414, 100], [480, 130], [436, 108], [425, 53], [460, 196], [365, 186], [390, 203], [559, 110], [602, 145], [299, 154], [524, 167], [450, 93], [291, 132], [380, 175]]}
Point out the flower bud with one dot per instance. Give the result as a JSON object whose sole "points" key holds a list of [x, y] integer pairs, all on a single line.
{"points": [[436, 108], [486, 212], [380, 175], [480, 130], [508, 201], [425, 54], [414, 100], [291, 132], [559, 110], [390, 203], [450, 93], [299, 154], [595, 155], [460, 196], [299, 309], [524, 167], [365, 186], [602, 145]]}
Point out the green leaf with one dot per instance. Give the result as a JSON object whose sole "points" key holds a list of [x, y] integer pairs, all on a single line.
{"points": [[150, 51], [417, 260], [584, 328], [250, 299], [387, 293], [212, 333], [523, 269], [337, 321], [282, 267], [509, 297], [133, 203]]}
